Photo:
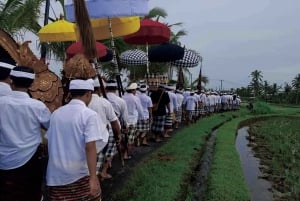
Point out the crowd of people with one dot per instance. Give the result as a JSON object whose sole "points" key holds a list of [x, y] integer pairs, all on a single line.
{"points": [[85, 134]]}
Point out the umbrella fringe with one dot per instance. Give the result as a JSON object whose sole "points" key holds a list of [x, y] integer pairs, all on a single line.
{"points": [[85, 29]]}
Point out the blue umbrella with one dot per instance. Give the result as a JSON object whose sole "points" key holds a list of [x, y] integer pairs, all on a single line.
{"points": [[165, 53], [109, 9]]}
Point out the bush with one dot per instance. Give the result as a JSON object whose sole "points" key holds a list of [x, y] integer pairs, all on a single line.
{"points": [[261, 108]]}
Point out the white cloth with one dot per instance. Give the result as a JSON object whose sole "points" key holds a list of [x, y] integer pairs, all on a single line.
{"points": [[104, 110], [179, 100], [5, 89], [21, 118], [82, 84], [191, 102], [173, 101], [134, 108], [120, 107], [146, 102], [71, 127]]}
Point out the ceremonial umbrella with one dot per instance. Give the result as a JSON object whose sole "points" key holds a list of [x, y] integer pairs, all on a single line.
{"points": [[76, 48], [166, 52], [134, 57], [58, 31], [150, 32], [190, 59], [110, 8], [108, 57]]}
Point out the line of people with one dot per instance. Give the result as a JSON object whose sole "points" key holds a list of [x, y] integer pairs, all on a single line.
{"points": [[84, 135]]}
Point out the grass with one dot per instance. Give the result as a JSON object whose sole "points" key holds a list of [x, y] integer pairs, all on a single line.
{"points": [[226, 180], [280, 150], [165, 174]]}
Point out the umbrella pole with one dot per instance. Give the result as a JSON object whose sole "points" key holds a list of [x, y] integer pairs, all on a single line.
{"points": [[43, 46], [98, 70], [200, 76], [115, 61], [147, 65]]}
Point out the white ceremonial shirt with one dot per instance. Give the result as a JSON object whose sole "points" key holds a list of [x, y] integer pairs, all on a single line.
{"points": [[191, 102], [21, 118], [146, 102], [5, 89], [120, 107], [173, 101], [134, 108], [179, 100], [71, 127]]}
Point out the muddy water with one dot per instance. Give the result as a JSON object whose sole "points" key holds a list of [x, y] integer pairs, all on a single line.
{"points": [[258, 187]]}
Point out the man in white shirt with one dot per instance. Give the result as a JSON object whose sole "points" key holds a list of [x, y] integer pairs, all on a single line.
{"points": [[75, 136], [120, 108], [134, 112], [143, 124], [179, 108], [5, 67], [21, 118], [109, 119]]}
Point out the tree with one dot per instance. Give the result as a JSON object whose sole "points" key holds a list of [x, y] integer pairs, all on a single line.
{"points": [[296, 87], [256, 82], [18, 15]]}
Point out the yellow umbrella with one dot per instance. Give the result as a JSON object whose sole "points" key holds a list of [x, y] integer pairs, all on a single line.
{"points": [[58, 31], [120, 26]]}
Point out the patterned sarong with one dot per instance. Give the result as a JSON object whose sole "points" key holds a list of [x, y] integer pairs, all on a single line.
{"points": [[158, 123], [77, 191], [169, 121], [131, 134], [179, 115], [143, 126]]}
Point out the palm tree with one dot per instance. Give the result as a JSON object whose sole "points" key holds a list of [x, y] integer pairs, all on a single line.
{"points": [[256, 82], [18, 15], [296, 87]]}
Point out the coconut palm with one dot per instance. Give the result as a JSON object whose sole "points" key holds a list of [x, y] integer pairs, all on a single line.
{"points": [[19, 15], [296, 87], [256, 82]]}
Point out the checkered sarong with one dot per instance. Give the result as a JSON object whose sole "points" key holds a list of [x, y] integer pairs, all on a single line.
{"points": [[169, 121], [131, 134], [143, 126], [109, 150], [189, 114], [158, 123], [179, 115]]}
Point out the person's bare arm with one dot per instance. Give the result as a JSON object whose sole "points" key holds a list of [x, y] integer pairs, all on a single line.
{"points": [[91, 157], [115, 126]]}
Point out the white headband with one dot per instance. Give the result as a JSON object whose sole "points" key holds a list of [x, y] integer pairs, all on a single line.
{"points": [[111, 84], [6, 65], [22, 74], [82, 84]]}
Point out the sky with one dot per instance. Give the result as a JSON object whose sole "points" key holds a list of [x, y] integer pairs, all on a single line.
{"points": [[235, 37]]}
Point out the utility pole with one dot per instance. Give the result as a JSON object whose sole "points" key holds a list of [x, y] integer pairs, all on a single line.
{"points": [[221, 85]]}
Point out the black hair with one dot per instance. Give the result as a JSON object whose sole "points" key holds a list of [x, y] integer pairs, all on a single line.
{"points": [[4, 73], [78, 92], [22, 81]]}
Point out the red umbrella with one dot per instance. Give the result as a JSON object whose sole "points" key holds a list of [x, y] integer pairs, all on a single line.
{"points": [[77, 48], [150, 32]]}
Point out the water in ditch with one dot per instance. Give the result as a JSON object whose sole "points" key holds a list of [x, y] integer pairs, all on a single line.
{"points": [[259, 188]]}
